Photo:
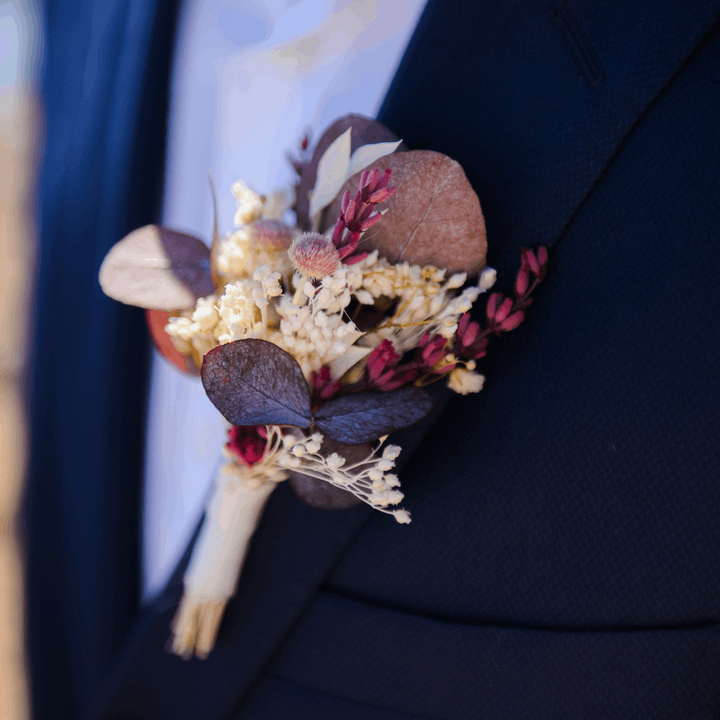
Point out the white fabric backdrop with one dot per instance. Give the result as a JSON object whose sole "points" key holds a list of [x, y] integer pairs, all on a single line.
{"points": [[249, 78]]}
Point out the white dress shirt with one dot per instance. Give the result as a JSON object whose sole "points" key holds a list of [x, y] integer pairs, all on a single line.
{"points": [[250, 77]]}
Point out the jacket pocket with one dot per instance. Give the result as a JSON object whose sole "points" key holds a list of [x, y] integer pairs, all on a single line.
{"points": [[423, 666]]}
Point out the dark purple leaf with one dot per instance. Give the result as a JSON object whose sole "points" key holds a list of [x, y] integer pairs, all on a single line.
{"points": [[253, 382], [320, 494], [361, 418]]}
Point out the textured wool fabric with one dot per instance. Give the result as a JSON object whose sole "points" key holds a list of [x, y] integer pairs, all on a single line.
{"points": [[428, 667], [583, 479]]}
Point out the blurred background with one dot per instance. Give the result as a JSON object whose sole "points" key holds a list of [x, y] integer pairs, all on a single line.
{"points": [[20, 133]]}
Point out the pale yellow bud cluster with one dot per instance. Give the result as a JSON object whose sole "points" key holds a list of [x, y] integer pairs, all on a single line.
{"points": [[239, 257], [313, 334], [194, 331], [424, 300], [464, 381]]}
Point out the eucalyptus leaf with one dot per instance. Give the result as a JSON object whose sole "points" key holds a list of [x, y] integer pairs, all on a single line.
{"points": [[331, 174], [157, 268], [362, 418], [434, 218], [254, 382]]}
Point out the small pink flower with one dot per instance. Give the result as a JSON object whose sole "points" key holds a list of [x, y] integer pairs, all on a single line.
{"points": [[374, 187], [522, 281], [512, 321], [467, 331], [504, 310], [537, 263], [314, 256], [383, 371], [247, 443], [468, 342], [396, 378], [382, 357], [529, 257], [433, 349], [492, 306], [322, 383], [356, 214]]}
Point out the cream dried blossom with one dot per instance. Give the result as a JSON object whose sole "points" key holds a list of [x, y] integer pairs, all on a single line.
{"points": [[425, 301], [239, 255], [370, 479], [234, 254], [249, 204], [195, 330], [243, 311], [245, 306], [465, 381], [487, 279], [312, 334]]}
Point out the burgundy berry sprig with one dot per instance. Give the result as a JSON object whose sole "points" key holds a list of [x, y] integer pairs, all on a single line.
{"points": [[384, 371], [436, 357], [247, 443], [502, 314], [322, 385], [356, 215]]}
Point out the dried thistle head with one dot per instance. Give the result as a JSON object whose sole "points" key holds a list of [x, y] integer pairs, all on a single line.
{"points": [[313, 255]]}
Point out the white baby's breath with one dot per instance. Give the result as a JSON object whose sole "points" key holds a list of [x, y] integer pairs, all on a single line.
{"points": [[367, 479], [249, 204]]}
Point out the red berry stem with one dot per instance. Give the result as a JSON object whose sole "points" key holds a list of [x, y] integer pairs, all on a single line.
{"points": [[356, 214]]}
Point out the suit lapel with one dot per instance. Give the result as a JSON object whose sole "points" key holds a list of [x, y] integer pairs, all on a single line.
{"points": [[582, 72], [531, 177]]}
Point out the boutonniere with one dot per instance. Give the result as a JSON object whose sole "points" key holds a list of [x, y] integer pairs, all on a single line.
{"points": [[316, 338]]}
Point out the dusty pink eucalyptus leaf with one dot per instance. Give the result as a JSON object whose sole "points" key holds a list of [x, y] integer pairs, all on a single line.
{"points": [[365, 132], [158, 269], [434, 217]]}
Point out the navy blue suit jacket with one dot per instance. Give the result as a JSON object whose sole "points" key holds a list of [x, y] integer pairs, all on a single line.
{"points": [[563, 556]]}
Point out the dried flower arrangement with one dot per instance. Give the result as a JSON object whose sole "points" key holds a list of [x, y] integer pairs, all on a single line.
{"points": [[315, 340]]}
